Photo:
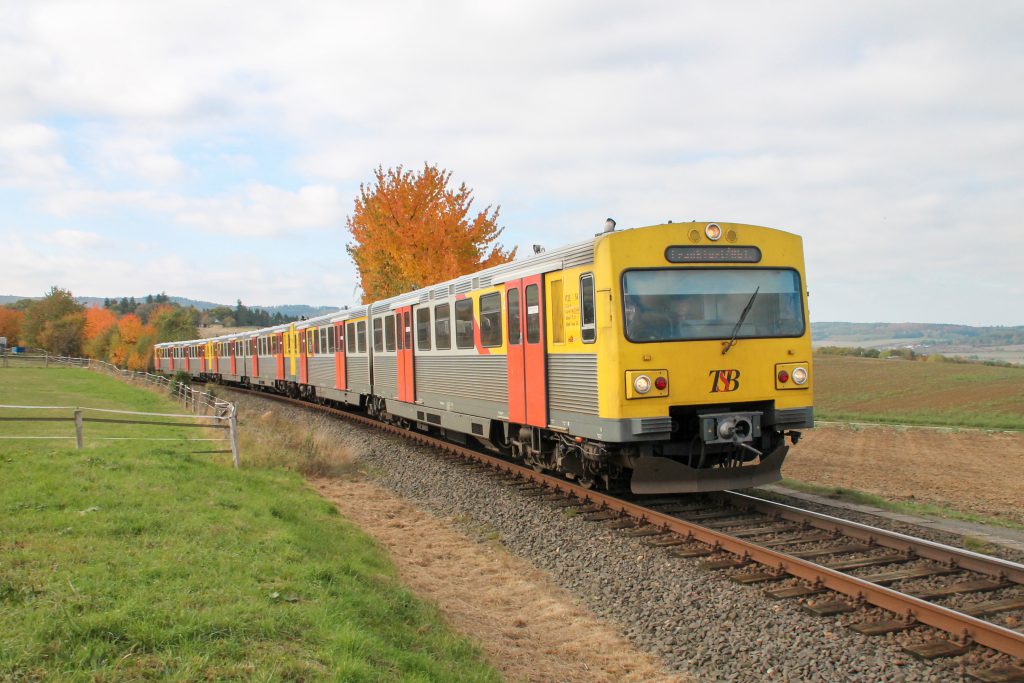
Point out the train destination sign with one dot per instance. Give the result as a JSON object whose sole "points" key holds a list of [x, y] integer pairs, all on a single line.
{"points": [[713, 254]]}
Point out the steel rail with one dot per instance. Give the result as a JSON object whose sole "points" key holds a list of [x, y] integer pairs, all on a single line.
{"points": [[962, 627], [930, 550]]}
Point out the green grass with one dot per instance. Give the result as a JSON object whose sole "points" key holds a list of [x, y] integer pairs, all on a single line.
{"points": [[129, 561], [849, 389], [907, 507]]}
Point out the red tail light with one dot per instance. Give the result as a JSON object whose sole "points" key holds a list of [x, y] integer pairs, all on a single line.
{"points": [[783, 376], [660, 383]]}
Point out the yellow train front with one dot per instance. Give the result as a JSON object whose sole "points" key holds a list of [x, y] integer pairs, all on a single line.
{"points": [[694, 340]]}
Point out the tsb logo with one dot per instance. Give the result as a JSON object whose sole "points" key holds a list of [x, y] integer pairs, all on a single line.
{"points": [[724, 380]]}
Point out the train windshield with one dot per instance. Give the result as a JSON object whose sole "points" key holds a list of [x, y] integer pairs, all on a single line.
{"points": [[686, 304]]}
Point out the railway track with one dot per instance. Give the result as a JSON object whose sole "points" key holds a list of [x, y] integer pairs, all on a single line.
{"points": [[835, 566]]}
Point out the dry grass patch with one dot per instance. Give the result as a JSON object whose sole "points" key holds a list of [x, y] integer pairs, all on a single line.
{"points": [[302, 441], [529, 628]]}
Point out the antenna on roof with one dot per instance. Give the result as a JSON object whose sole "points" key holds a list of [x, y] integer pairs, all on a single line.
{"points": [[538, 249], [609, 225]]}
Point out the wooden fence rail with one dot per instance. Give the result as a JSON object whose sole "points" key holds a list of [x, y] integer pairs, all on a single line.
{"points": [[202, 405], [228, 422]]}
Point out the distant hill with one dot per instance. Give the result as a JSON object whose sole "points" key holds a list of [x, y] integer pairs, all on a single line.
{"points": [[896, 333], [978, 343], [288, 310]]}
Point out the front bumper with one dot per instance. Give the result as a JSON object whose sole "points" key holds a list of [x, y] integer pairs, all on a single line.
{"points": [[663, 475]]}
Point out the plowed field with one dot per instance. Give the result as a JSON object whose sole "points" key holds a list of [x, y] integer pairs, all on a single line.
{"points": [[970, 471]]}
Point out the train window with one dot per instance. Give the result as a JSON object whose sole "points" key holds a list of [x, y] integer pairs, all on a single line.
{"points": [[361, 336], [350, 331], [442, 326], [514, 322], [532, 314], [557, 313], [588, 315], [332, 336], [682, 304], [398, 324], [378, 335], [423, 329], [389, 333], [490, 320], [464, 324], [408, 330], [311, 341]]}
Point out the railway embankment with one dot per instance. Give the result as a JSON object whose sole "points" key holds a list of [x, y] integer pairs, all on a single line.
{"points": [[697, 622]]}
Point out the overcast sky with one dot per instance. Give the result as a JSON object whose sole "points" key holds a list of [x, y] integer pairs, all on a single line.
{"points": [[213, 149]]}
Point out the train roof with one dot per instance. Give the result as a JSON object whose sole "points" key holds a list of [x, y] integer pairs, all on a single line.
{"points": [[569, 256]]}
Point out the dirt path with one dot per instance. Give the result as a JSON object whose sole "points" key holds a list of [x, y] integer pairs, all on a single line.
{"points": [[529, 628], [972, 471]]}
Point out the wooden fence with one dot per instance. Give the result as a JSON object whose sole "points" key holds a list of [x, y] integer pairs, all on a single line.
{"points": [[82, 415], [209, 411]]}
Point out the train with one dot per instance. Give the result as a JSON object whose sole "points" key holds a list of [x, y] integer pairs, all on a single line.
{"points": [[672, 358]]}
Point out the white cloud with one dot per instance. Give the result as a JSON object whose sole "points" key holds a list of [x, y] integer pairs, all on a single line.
{"points": [[29, 155], [266, 211], [73, 239], [138, 156]]}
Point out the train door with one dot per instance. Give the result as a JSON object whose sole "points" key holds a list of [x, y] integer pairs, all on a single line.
{"points": [[406, 380], [304, 351], [255, 345], [527, 375], [278, 349], [340, 379], [233, 356]]}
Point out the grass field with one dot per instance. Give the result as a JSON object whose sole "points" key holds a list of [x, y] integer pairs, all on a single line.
{"points": [[130, 561], [905, 392]]}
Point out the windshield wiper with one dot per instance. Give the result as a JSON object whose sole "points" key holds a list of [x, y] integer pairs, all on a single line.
{"points": [[739, 323]]}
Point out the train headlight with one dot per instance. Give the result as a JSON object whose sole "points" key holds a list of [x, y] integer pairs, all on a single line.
{"points": [[799, 375], [713, 231], [642, 384]]}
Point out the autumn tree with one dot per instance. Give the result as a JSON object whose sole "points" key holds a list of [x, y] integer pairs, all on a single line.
{"points": [[10, 325], [56, 323], [98, 320], [411, 229], [174, 323]]}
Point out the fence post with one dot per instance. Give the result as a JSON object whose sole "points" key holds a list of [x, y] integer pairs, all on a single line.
{"points": [[79, 428], [46, 356], [233, 429]]}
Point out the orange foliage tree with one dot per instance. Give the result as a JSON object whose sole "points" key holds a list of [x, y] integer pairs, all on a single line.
{"points": [[411, 229], [10, 325], [97, 321], [131, 343]]}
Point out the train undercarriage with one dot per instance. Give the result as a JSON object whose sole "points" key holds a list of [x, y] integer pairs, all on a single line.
{"points": [[710, 448]]}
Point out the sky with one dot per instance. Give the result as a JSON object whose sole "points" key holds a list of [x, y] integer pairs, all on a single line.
{"points": [[213, 150]]}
